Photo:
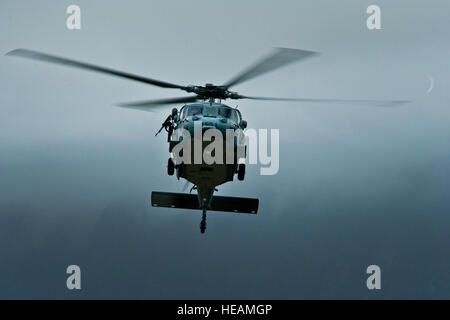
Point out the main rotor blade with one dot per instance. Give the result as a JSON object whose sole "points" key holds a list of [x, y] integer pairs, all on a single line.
{"points": [[380, 103], [281, 57], [148, 104], [35, 55]]}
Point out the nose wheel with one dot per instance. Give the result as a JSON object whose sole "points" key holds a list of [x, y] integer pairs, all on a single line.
{"points": [[241, 172], [170, 167], [203, 223]]}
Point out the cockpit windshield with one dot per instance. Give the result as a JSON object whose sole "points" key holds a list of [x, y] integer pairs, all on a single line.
{"points": [[210, 111], [225, 112], [229, 113], [194, 110]]}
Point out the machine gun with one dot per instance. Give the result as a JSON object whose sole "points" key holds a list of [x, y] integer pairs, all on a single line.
{"points": [[168, 125]]}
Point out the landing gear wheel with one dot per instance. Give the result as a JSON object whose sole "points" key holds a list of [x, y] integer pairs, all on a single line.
{"points": [[241, 172], [170, 167]]}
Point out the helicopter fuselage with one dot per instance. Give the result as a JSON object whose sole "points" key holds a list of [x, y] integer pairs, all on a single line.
{"points": [[196, 119]]}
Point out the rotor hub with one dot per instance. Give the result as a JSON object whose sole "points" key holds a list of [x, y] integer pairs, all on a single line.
{"points": [[210, 90]]}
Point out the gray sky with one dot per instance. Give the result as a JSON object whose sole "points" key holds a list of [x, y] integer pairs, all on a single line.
{"points": [[357, 185]]}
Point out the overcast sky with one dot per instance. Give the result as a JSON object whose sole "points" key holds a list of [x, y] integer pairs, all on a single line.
{"points": [[357, 185]]}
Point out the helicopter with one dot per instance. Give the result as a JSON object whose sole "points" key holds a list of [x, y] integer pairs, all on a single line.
{"points": [[204, 107]]}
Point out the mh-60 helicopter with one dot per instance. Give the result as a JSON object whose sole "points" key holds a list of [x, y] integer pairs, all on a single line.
{"points": [[204, 107]]}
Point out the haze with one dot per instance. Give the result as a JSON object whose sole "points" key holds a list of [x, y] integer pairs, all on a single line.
{"points": [[357, 185]]}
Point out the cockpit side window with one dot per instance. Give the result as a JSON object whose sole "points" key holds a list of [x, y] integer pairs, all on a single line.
{"points": [[234, 116], [239, 116], [183, 113]]}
